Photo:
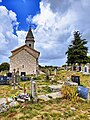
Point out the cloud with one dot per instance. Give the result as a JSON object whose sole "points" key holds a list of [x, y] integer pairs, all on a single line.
{"points": [[21, 37], [52, 32], [8, 40], [0, 0], [55, 25]]}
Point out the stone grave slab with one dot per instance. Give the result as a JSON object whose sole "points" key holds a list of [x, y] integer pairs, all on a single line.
{"points": [[55, 95], [71, 83], [55, 87], [43, 97]]}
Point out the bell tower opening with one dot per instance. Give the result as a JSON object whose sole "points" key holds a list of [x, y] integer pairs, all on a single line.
{"points": [[29, 45]]}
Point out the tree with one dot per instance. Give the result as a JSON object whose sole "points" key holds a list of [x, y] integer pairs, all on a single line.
{"points": [[77, 51], [4, 66], [88, 59]]}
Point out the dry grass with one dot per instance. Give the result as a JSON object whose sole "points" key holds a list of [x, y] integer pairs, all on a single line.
{"points": [[58, 109]]}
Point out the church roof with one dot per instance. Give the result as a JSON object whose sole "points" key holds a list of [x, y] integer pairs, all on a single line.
{"points": [[31, 51], [29, 34]]}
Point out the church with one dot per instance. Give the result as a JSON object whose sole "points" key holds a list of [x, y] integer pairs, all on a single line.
{"points": [[25, 58]]}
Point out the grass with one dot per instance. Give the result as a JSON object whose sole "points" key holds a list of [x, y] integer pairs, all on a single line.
{"points": [[55, 109]]}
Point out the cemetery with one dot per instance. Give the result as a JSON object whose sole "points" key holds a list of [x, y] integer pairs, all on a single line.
{"points": [[39, 98], [31, 92]]}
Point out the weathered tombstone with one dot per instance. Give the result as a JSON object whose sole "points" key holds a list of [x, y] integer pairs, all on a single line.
{"points": [[9, 74], [75, 79], [47, 74], [74, 68], [34, 95], [33, 90], [17, 76], [86, 70], [55, 72], [4, 80], [79, 68]]}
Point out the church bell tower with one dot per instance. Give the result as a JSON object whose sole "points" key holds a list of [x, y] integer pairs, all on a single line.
{"points": [[30, 39]]}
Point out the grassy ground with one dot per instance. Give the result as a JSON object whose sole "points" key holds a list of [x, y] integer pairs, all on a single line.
{"points": [[58, 109]]}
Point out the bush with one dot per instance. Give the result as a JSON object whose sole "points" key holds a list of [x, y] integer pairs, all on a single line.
{"points": [[70, 92]]}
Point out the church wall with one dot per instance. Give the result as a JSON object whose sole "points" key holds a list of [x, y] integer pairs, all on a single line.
{"points": [[24, 61], [31, 51]]}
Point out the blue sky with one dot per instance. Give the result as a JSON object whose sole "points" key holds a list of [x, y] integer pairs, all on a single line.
{"points": [[54, 23], [23, 8]]}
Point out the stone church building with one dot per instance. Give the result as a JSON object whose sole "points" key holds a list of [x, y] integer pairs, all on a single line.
{"points": [[25, 58]]}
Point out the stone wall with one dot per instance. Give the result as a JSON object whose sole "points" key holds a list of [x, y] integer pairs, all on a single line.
{"points": [[24, 61]]}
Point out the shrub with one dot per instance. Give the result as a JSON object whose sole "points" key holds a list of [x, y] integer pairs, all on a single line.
{"points": [[70, 92]]}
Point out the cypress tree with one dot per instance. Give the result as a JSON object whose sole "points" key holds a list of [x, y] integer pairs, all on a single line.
{"points": [[77, 51]]}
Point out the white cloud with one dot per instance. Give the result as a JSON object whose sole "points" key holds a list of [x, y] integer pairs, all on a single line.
{"points": [[0, 0], [8, 40], [21, 37], [55, 25], [52, 31]]}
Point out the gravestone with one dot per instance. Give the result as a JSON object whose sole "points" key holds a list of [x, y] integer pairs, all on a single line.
{"points": [[9, 74], [4, 80], [47, 74], [14, 79], [79, 68], [74, 68], [75, 79], [86, 69], [55, 72], [34, 95]]}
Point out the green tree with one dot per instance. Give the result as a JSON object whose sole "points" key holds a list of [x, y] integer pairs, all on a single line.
{"points": [[88, 59], [77, 51], [4, 66]]}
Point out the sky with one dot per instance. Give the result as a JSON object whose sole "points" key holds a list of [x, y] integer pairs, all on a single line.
{"points": [[53, 23]]}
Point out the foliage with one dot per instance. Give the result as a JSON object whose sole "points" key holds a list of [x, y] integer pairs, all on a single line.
{"points": [[4, 66], [70, 92], [88, 59], [77, 51]]}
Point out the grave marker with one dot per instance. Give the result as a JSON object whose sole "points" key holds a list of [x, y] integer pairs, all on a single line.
{"points": [[34, 95], [86, 69], [79, 68], [55, 72]]}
